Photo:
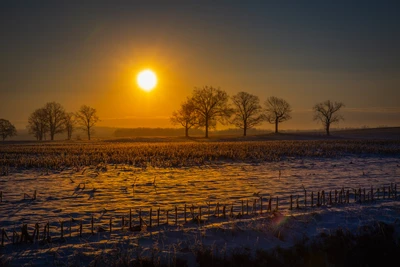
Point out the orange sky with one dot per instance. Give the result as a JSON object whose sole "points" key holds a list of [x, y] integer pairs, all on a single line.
{"points": [[89, 55]]}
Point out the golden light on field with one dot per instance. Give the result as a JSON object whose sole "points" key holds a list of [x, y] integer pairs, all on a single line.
{"points": [[147, 80]]}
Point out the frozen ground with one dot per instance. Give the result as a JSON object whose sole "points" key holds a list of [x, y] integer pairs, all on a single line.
{"points": [[109, 192]]}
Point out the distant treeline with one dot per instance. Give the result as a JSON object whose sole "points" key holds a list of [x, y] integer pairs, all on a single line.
{"points": [[132, 132]]}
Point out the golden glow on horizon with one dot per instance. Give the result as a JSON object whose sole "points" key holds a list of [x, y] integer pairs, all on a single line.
{"points": [[147, 80]]}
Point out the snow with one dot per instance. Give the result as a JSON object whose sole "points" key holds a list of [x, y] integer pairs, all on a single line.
{"points": [[110, 192]]}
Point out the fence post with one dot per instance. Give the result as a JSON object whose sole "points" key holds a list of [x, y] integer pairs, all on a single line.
{"points": [[176, 215], [110, 224], [92, 222], [270, 204], [150, 217], [62, 229], [158, 217], [184, 213], [291, 203], [312, 199], [130, 218], [305, 198], [277, 202]]}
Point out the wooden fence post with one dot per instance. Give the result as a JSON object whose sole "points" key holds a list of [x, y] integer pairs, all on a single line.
{"points": [[140, 218], [150, 218], [184, 213], [92, 222], [110, 224], [158, 216], [62, 229], [312, 199], [305, 198], [176, 215], [130, 218], [291, 202]]}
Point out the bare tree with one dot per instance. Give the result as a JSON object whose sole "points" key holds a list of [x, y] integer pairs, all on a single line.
{"points": [[186, 116], [70, 123], [38, 125], [55, 116], [277, 110], [87, 119], [326, 113], [211, 104], [7, 129], [247, 111]]}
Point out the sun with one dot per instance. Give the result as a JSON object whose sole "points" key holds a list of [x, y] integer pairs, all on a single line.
{"points": [[147, 80]]}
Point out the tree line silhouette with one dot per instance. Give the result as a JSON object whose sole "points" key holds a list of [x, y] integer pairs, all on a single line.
{"points": [[52, 119], [208, 105], [203, 109]]}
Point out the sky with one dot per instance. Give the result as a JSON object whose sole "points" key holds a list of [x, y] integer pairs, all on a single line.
{"points": [[303, 51]]}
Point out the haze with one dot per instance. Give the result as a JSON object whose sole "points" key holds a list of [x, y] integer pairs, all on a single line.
{"points": [[306, 53]]}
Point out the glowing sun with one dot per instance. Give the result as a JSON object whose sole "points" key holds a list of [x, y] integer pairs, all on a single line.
{"points": [[147, 80]]}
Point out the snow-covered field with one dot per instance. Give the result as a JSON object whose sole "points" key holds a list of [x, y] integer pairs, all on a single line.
{"points": [[109, 192]]}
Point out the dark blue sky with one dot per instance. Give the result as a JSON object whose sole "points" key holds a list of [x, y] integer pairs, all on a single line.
{"points": [[303, 51]]}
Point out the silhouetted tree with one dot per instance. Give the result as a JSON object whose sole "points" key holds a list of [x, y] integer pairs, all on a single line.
{"points": [[186, 116], [211, 104], [55, 116], [87, 119], [7, 129], [70, 123], [277, 110], [247, 111], [326, 113], [38, 124]]}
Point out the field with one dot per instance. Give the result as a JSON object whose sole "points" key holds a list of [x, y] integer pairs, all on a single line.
{"points": [[218, 196]]}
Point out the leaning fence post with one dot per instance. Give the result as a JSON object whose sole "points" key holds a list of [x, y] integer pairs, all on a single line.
{"points": [[80, 229], [158, 217]]}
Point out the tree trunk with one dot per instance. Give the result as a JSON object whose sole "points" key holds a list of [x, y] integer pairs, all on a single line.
{"points": [[206, 128], [276, 126], [186, 132], [244, 131], [88, 132], [327, 129]]}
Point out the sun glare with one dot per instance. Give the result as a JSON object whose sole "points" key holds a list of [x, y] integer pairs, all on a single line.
{"points": [[147, 80]]}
